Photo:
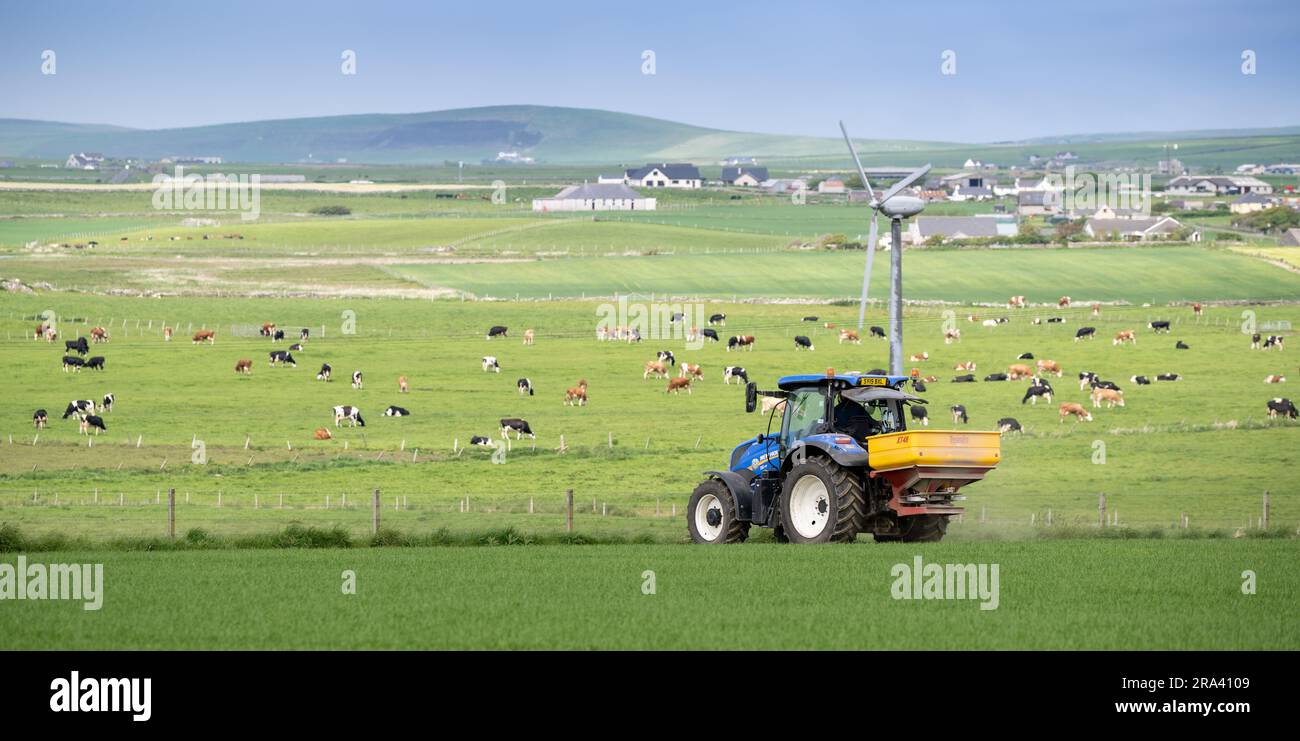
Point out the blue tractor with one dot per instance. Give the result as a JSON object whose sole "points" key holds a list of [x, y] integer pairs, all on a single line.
{"points": [[842, 462]]}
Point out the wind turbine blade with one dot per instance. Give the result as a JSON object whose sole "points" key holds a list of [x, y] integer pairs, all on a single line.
{"points": [[893, 191], [863, 173], [866, 273]]}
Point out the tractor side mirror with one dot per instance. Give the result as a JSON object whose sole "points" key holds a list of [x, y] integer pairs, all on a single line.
{"points": [[751, 396]]}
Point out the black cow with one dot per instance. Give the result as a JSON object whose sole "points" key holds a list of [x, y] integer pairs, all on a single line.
{"points": [[518, 426], [919, 414], [108, 402], [1056, 320], [1025, 356], [1169, 377], [968, 378], [393, 411], [667, 355], [1282, 407], [88, 421], [325, 371], [878, 332], [73, 362], [282, 356], [40, 418], [959, 414], [1141, 380], [918, 385], [1180, 345], [1085, 333], [79, 406], [710, 334], [810, 319], [1159, 327], [296, 347], [1097, 383], [79, 346], [1034, 393], [996, 377], [719, 319], [302, 336], [525, 386], [279, 335], [497, 331], [480, 440], [803, 343], [96, 362], [1009, 424]]}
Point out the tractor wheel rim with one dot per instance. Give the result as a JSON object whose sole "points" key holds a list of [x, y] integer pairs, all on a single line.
{"points": [[709, 503], [810, 506]]}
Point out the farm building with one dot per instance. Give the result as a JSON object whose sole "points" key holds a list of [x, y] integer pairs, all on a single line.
{"points": [[598, 197], [664, 175], [1156, 227], [1037, 202], [747, 177], [1290, 238], [970, 193], [1221, 184], [832, 185], [923, 228], [84, 161], [1249, 203]]}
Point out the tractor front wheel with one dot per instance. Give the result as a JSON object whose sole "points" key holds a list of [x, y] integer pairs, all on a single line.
{"points": [[821, 502], [711, 515]]}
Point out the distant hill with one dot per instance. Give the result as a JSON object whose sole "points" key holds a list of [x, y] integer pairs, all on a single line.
{"points": [[549, 134]]}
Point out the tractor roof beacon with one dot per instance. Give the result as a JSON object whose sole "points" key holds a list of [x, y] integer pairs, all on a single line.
{"points": [[841, 463]]}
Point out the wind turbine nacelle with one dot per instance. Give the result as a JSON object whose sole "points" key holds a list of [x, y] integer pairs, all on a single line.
{"points": [[901, 207]]}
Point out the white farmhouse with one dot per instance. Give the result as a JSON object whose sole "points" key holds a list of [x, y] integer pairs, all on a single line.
{"points": [[597, 197]]}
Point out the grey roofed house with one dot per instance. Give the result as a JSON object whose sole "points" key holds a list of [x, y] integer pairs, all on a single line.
{"points": [[1124, 227], [674, 171], [597, 191], [956, 227], [1290, 238], [1032, 198], [1253, 197], [731, 174], [973, 191]]}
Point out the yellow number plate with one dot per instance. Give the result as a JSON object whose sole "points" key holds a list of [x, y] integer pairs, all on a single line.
{"points": [[868, 381]]}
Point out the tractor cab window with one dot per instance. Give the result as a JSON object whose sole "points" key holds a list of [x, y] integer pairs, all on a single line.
{"points": [[805, 415]]}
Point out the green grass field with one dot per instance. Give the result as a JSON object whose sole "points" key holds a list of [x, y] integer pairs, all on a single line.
{"points": [[1072, 594]]}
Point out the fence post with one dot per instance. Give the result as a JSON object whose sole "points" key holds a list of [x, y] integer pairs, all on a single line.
{"points": [[568, 510], [374, 514], [1264, 522], [171, 513], [1101, 510]]}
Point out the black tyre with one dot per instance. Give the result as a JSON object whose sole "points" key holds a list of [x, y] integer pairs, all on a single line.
{"points": [[821, 502], [918, 529], [711, 515]]}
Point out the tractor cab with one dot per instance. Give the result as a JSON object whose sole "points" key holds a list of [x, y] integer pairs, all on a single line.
{"points": [[838, 460]]}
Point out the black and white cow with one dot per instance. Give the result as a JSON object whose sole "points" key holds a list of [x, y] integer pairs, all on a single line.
{"points": [[525, 386], [278, 335], [325, 371], [1274, 341], [356, 379], [490, 364], [97, 362], [996, 377], [480, 440], [718, 319], [394, 411], [810, 318], [1085, 379], [1040, 382], [1025, 356], [919, 414], [108, 402], [968, 378], [350, 413], [1180, 345], [803, 343], [1097, 383], [1254, 341], [296, 347], [878, 332], [1034, 393], [73, 362], [40, 419], [1085, 333], [1056, 320], [736, 372], [282, 356], [497, 331], [1281, 407], [1159, 327], [676, 318], [89, 421], [79, 406], [1141, 380], [1169, 377], [79, 346], [518, 426], [302, 336], [918, 385], [710, 334], [959, 414], [667, 356], [1009, 424]]}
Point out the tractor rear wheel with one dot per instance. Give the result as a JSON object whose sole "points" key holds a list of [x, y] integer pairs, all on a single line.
{"points": [[918, 529], [711, 515], [821, 502]]}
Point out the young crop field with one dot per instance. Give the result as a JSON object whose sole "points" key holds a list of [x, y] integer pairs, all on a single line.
{"points": [[1070, 594]]}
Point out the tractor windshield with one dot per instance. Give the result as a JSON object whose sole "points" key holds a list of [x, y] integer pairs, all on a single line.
{"points": [[805, 415]]}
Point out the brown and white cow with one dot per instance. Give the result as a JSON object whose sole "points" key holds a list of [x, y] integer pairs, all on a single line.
{"points": [[768, 403], [1019, 371], [205, 335], [99, 334], [677, 384], [1124, 336], [968, 365], [1016, 302], [167, 334], [323, 434], [1275, 379], [655, 368], [245, 366], [1197, 309], [848, 335], [577, 395], [1070, 408], [1048, 366], [401, 385], [1063, 301], [737, 342], [951, 336], [529, 336], [1096, 309], [920, 357], [1112, 397], [691, 370]]}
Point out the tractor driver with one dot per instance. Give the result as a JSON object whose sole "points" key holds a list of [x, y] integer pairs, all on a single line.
{"points": [[853, 419]]}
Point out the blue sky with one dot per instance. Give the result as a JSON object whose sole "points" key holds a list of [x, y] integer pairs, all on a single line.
{"points": [[1024, 69]]}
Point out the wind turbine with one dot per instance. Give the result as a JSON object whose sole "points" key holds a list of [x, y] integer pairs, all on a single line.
{"points": [[896, 208]]}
